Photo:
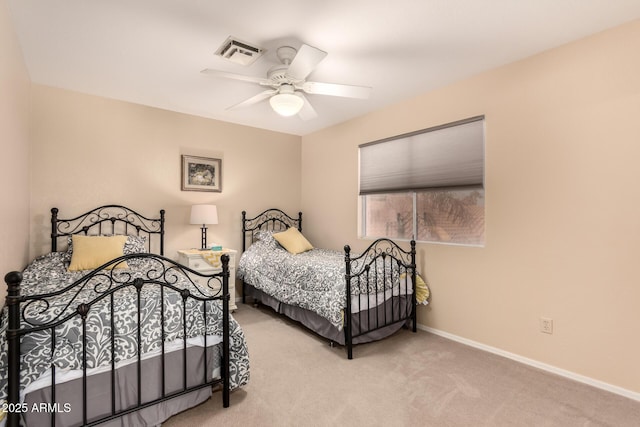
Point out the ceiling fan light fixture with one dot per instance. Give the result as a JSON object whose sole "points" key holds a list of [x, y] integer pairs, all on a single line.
{"points": [[286, 104]]}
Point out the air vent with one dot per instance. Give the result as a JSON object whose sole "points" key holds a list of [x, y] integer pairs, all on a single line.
{"points": [[239, 52]]}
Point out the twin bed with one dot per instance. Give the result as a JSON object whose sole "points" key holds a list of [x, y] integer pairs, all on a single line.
{"points": [[279, 268], [129, 341]]}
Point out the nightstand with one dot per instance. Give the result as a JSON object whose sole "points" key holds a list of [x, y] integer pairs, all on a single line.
{"points": [[208, 262]]}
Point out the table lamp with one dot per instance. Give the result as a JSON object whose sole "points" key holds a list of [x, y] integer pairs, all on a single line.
{"points": [[204, 214]]}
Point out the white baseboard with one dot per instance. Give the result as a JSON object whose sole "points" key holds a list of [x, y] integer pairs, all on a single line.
{"points": [[545, 367]]}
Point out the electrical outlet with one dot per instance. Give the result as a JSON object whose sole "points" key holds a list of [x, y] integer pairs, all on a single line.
{"points": [[546, 325]]}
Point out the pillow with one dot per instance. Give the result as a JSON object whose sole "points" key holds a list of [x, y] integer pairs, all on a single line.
{"points": [[91, 252], [422, 289], [133, 245], [293, 241], [265, 238]]}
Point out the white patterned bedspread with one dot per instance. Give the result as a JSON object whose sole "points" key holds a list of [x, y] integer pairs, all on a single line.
{"points": [[313, 280], [49, 273]]}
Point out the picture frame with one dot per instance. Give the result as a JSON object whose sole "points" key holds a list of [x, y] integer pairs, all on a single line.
{"points": [[201, 174]]}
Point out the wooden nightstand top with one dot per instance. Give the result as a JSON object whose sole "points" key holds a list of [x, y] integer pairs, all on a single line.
{"points": [[200, 251], [208, 262]]}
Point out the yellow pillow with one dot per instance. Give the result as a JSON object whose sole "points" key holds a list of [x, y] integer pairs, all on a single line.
{"points": [[90, 252], [422, 290], [293, 241]]}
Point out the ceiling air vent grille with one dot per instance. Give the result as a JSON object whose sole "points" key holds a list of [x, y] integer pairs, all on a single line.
{"points": [[239, 52]]}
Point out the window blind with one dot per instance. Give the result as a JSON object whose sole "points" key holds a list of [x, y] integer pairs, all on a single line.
{"points": [[450, 155]]}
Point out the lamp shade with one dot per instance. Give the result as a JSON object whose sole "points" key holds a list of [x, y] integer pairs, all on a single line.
{"points": [[204, 214], [286, 104]]}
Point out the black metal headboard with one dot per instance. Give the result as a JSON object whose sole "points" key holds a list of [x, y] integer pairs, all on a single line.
{"points": [[108, 219], [269, 220]]}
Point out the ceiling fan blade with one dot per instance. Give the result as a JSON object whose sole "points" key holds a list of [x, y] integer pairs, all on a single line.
{"points": [[347, 91], [307, 112], [305, 61], [254, 99], [234, 76]]}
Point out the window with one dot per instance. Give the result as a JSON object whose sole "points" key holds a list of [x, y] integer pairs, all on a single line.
{"points": [[427, 185]]}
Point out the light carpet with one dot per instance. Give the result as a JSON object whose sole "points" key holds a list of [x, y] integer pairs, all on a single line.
{"points": [[408, 379]]}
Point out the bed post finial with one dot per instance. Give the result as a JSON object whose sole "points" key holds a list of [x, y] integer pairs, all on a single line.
{"points": [[54, 229], [161, 232], [244, 230], [300, 222], [13, 280]]}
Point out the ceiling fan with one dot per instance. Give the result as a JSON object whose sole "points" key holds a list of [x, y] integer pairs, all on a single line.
{"points": [[287, 82]]}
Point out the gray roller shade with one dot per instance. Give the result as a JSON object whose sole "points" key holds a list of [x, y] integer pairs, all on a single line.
{"points": [[451, 155]]}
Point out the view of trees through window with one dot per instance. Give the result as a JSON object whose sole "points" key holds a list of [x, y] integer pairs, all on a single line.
{"points": [[448, 216]]}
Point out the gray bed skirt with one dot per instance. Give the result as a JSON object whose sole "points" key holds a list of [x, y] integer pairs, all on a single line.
{"points": [[69, 396], [324, 328]]}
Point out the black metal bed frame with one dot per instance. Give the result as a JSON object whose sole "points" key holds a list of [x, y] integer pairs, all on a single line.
{"points": [[383, 257], [105, 283], [122, 220]]}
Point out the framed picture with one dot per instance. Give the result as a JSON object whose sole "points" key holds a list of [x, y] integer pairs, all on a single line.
{"points": [[201, 174]]}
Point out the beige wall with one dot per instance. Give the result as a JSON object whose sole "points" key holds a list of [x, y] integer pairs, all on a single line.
{"points": [[88, 151], [14, 149], [562, 205]]}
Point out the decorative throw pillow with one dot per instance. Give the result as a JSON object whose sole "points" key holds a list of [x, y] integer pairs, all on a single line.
{"points": [[133, 245], [293, 241], [422, 289], [266, 239], [90, 252]]}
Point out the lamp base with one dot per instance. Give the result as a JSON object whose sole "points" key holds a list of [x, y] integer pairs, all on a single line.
{"points": [[204, 238]]}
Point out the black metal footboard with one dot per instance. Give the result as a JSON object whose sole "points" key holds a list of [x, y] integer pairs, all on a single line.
{"points": [[111, 317], [381, 289]]}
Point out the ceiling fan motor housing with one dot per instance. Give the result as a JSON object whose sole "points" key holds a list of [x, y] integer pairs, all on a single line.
{"points": [[278, 74]]}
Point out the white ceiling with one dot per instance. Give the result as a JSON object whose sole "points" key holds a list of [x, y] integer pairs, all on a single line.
{"points": [[151, 51]]}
